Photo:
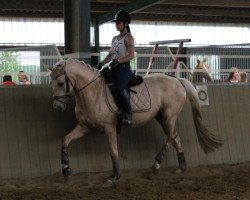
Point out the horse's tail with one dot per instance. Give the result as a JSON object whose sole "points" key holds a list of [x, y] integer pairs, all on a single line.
{"points": [[207, 140]]}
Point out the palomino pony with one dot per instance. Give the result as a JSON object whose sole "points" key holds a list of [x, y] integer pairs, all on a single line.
{"points": [[201, 71], [168, 95]]}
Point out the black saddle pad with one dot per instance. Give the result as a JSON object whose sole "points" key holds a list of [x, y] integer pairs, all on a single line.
{"points": [[135, 80]]}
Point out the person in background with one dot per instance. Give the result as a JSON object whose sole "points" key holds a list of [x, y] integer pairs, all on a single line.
{"points": [[243, 77], [22, 77], [7, 80], [234, 76]]}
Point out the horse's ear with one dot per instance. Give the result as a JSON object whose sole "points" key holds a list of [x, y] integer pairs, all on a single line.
{"points": [[48, 67], [204, 59], [198, 61]]}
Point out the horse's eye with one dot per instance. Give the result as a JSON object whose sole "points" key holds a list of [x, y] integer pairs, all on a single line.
{"points": [[60, 84]]}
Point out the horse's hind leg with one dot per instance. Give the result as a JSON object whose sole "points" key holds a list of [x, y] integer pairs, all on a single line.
{"points": [[159, 157], [76, 133], [172, 138], [176, 142]]}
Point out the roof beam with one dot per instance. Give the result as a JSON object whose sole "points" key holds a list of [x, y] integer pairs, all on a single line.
{"points": [[197, 10], [208, 3], [186, 18], [105, 7], [132, 7], [111, 1], [28, 5], [23, 13]]}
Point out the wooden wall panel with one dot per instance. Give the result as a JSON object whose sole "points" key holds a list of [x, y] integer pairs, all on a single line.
{"points": [[5, 164], [32, 132], [245, 119]]}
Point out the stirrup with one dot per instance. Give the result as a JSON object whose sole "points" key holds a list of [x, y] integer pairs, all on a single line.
{"points": [[127, 120], [128, 123]]}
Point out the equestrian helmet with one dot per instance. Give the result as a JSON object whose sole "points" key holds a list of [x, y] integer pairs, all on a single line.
{"points": [[122, 16]]}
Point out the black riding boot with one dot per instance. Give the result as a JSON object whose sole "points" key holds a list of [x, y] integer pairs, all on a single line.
{"points": [[127, 120]]}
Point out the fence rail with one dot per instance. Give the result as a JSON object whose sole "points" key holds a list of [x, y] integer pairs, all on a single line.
{"points": [[219, 59]]}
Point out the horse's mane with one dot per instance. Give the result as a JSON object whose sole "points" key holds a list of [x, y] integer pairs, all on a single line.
{"points": [[82, 63], [70, 60]]}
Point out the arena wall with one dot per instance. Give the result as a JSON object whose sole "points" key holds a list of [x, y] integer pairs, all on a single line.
{"points": [[31, 134]]}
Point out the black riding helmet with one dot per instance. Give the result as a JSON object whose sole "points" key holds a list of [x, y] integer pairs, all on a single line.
{"points": [[122, 16]]}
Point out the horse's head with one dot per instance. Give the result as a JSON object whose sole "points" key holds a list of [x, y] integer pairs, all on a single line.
{"points": [[61, 86], [202, 70], [67, 76], [202, 64]]}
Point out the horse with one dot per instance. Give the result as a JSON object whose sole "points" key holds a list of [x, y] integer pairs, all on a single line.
{"points": [[201, 71], [72, 78]]}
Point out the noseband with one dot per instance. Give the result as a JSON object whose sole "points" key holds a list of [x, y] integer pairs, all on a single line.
{"points": [[65, 98]]}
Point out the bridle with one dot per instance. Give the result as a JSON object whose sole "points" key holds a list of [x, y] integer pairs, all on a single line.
{"points": [[65, 98]]}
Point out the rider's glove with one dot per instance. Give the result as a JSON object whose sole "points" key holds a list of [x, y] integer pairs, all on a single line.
{"points": [[104, 70], [99, 65], [114, 63]]}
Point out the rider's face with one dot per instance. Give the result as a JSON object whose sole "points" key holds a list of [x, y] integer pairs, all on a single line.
{"points": [[119, 26]]}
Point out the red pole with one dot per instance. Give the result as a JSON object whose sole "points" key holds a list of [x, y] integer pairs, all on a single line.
{"points": [[152, 58], [177, 57]]}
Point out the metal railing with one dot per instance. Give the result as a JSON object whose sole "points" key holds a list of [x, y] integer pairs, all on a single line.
{"points": [[219, 59]]}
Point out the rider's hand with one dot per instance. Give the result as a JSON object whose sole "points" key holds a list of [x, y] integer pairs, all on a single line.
{"points": [[99, 65], [104, 70], [114, 63]]}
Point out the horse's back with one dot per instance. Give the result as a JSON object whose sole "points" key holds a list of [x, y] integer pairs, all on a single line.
{"points": [[162, 81], [164, 88]]}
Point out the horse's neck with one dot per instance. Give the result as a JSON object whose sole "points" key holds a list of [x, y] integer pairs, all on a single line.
{"points": [[88, 89]]}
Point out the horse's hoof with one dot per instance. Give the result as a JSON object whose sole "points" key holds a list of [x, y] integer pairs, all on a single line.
{"points": [[156, 168], [183, 167], [179, 171], [112, 181], [66, 172]]}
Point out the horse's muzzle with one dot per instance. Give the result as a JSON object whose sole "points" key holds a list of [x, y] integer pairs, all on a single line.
{"points": [[59, 106]]}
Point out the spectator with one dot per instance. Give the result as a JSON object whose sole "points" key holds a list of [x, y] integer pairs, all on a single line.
{"points": [[234, 76], [7, 80], [22, 77], [243, 77]]}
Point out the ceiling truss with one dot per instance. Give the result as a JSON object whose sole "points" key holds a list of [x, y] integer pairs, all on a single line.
{"points": [[222, 11]]}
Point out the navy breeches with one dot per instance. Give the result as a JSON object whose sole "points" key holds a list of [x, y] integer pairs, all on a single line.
{"points": [[122, 75]]}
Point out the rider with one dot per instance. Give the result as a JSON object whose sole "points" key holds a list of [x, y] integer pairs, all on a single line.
{"points": [[121, 52]]}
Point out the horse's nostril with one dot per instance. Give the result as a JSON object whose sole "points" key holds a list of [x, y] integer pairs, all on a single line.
{"points": [[60, 109]]}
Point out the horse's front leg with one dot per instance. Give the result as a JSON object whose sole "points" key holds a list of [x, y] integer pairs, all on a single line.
{"points": [[112, 138], [76, 133]]}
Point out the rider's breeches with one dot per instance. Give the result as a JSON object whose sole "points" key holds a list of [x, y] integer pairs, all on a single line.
{"points": [[122, 76]]}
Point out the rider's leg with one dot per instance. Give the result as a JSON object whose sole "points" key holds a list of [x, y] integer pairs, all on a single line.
{"points": [[128, 120], [122, 78]]}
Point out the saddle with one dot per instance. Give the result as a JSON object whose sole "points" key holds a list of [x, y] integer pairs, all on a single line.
{"points": [[138, 92]]}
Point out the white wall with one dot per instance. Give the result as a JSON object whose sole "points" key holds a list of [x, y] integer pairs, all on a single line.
{"points": [[210, 34], [47, 31]]}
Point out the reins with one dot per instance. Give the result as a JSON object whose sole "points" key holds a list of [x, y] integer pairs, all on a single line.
{"points": [[77, 92]]}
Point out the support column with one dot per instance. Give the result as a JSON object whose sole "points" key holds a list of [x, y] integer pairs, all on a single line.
{"points": [[94, 59], [77, 27]]}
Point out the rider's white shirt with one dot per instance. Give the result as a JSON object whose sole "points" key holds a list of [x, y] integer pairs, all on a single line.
{"points": [[118, 47]]}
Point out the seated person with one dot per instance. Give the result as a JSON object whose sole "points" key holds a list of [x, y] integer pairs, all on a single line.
{"points": [[7, 80], [234, 76], [22, 77], [243, 77]]}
